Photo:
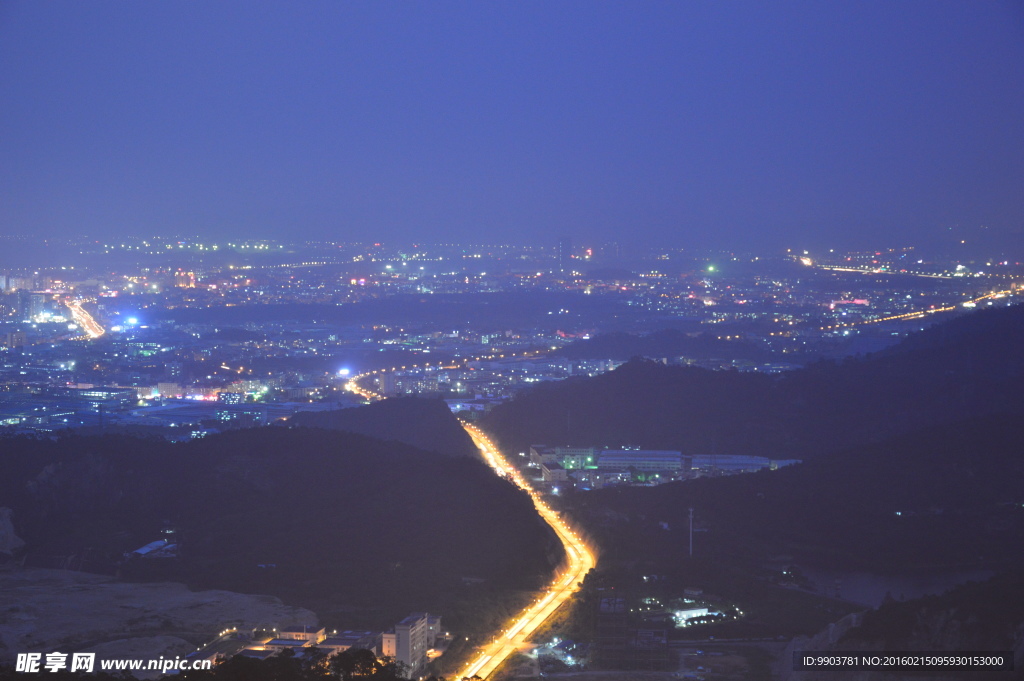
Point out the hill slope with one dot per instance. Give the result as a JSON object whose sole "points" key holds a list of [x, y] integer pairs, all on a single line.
{"points": [[968, 367], [424, 423], [985, 616], [949, 496], [343, 522], [665, 343]]}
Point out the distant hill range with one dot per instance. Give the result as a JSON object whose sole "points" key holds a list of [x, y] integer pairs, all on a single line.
{"points": [[668, 343], [423, 423], [968, 367]]}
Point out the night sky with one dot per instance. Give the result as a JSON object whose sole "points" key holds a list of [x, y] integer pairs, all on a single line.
{"points": [[684, 123]]}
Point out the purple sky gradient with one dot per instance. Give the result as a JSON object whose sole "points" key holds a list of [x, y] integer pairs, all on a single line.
{"points": [[680, 123]]}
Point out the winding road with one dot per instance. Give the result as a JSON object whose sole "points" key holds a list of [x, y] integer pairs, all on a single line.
{"points": [[579, 560]]}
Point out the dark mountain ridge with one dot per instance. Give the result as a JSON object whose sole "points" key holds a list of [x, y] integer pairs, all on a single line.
{"points": [[663, 343], [424, 423], [968, 367], [949, 496]]}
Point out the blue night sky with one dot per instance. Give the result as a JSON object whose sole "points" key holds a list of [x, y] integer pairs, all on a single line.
{"points": [[680, 123]]}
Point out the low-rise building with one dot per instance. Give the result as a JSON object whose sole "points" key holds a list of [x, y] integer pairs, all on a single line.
{"points": [[311, 634], [553, 472], [640, 460]]}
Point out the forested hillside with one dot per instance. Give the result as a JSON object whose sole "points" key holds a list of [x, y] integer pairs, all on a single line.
{"points": [[338, 522], [968, 367], [424, 423]]}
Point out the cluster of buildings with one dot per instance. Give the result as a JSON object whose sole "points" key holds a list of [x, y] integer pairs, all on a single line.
{"points": [[594, 468], [478, 384], [414, 641], [152, 316], [55, 408]]}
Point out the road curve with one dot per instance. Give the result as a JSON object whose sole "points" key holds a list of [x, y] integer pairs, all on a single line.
{"points": [[579, 558]]}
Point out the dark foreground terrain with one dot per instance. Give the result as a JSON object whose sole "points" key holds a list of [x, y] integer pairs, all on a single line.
{"points": [[359, 530]]}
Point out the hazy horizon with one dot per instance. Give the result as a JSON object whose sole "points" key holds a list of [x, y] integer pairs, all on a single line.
{"points": [[713, 125]]}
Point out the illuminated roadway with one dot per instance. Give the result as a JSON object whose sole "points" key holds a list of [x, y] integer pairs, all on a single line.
{"points": [[579, 559], [84, 319], [918, 314], [913, 315]]}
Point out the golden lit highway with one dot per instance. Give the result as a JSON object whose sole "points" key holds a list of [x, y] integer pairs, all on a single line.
{"points": [[579, 559], [89, 325], [918, 314]]}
